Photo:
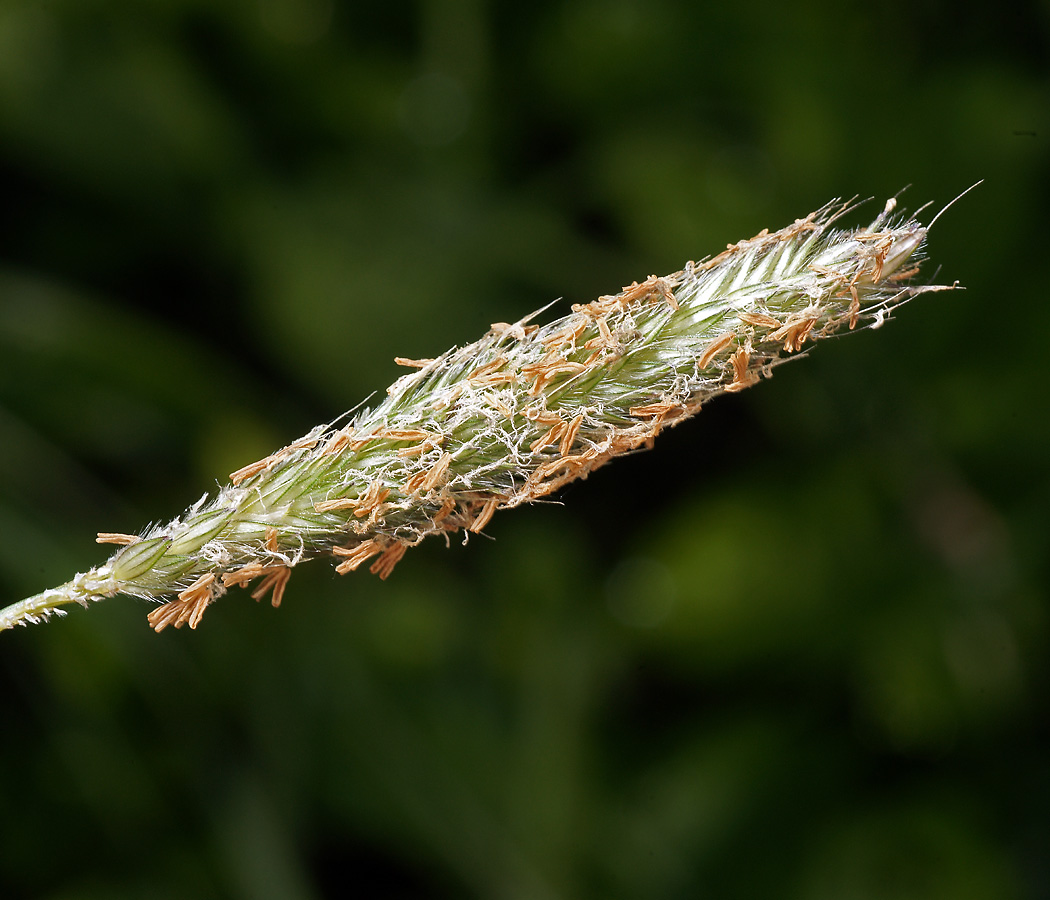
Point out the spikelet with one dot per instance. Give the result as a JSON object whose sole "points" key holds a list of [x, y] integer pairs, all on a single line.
{"points": [[511, 417]]}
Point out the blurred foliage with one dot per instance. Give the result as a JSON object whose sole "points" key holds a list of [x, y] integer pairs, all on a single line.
{"points": [[797, 651]]}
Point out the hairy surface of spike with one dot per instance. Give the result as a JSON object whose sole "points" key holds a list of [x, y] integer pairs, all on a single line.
{"points": [[511, 417]]}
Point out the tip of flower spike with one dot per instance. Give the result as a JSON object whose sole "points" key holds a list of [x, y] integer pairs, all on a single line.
{"points": [[900, 251]]}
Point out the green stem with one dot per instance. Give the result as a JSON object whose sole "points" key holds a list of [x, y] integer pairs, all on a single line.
{"points": [[83, 589]]}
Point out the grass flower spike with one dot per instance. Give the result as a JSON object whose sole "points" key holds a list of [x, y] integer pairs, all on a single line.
{"points": [[510, 418]]}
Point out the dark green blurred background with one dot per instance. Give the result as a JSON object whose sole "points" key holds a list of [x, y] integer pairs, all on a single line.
{"points": [[799, 650]]}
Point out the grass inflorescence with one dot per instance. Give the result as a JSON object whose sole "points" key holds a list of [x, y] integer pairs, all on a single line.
{"points": [[511, 417]]}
